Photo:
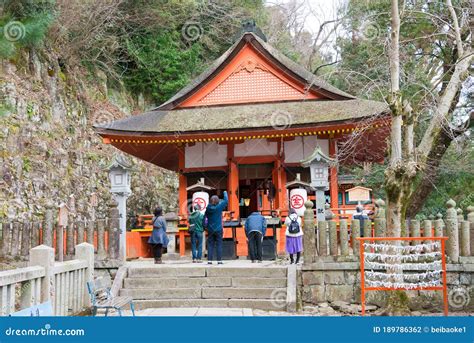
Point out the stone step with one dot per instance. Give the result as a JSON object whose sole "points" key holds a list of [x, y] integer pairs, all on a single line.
{"points": [[241, 293], [259, 282], [173, 293], [205, 293], [177, 282], [193, 282], [260, 304], [203, 270], [159, 271], [267, 272]]}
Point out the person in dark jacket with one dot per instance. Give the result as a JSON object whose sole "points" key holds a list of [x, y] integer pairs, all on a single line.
{"points": [[362, 218], [214, 226], [158, 238], [196, 228], [255, 228]]}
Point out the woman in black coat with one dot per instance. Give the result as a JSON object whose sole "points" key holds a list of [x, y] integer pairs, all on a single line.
{"points": [[158, 238]]}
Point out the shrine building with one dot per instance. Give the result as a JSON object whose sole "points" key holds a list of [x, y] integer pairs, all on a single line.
{"points": [[245, 125]]}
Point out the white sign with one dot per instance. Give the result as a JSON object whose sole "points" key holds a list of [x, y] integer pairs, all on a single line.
{"points": [[63, 215], [359, 193]]}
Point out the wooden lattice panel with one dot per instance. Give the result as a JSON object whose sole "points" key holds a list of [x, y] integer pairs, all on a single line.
{"points": [[255, 86]]}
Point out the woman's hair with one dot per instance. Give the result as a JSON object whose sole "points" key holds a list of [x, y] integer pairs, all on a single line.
{"points": [[214, 200], [292, 210], [158, 211]]}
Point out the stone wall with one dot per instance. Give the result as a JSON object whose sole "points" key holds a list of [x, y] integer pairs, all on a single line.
{"points": [[50, 149], [332, 280]]}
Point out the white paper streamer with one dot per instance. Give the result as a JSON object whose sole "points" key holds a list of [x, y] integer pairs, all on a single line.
{"points": [[403, 249], [414, 277], [400, 257], [395, 260], [403, 285], [436, 265]]}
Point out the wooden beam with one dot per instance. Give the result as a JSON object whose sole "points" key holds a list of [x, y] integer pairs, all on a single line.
{"points": [[284, 195], [333, 186], [255, 159], [183, 184], [233, 182], [278, 140], [205, 169]]}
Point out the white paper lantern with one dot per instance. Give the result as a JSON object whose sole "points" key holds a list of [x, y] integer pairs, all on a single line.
{"points": [[298, 197], [201, 199]]}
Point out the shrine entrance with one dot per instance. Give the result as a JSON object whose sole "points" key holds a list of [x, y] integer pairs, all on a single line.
{"points": [[256, 190]]}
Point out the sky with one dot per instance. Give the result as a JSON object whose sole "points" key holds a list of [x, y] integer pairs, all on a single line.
{"points": [[316, 11]]}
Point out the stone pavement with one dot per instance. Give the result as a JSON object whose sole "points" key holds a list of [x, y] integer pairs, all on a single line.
{"points": [[190, 312]]}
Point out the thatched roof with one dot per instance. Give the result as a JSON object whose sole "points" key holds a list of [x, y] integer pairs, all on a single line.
{"points": [[265, 115]]}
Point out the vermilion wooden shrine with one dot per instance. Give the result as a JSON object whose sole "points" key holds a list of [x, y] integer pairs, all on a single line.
{"points": [[244, 125]]}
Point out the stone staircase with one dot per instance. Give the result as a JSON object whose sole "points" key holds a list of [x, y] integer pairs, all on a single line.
{"points": [[157, 286]]}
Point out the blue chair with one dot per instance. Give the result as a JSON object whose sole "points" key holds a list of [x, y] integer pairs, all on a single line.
{"points": [[102, 298]]}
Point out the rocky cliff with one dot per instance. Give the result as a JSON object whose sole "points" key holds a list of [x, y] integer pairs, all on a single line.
{"points": [[49, 150]]}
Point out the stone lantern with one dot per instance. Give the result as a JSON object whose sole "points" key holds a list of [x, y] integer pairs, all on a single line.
{"points": [[319, 164], [120, 179]]}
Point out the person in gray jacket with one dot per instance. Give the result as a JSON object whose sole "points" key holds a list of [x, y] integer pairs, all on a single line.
{"points": [[255, 228], [158, 239]]}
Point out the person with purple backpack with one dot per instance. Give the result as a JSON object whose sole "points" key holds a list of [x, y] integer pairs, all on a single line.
{"points": [[294, 236]]}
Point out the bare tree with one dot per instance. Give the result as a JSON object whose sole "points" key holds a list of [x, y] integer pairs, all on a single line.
{"points": [[406, 161]]}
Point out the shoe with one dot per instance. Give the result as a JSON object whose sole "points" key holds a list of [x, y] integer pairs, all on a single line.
{"points": [[158, 261], [220, 262], [194, 261], [198, 261], [253, 261], [259, 261], [209, 262]]}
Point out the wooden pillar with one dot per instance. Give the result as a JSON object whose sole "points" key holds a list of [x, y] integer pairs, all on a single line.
{"points": [[276, 179], [284, 192], [279, 180], [183, 184], [233, 182], [333, 186]]}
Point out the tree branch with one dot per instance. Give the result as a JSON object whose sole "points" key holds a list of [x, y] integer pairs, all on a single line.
{"points": [[457, 31]]}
